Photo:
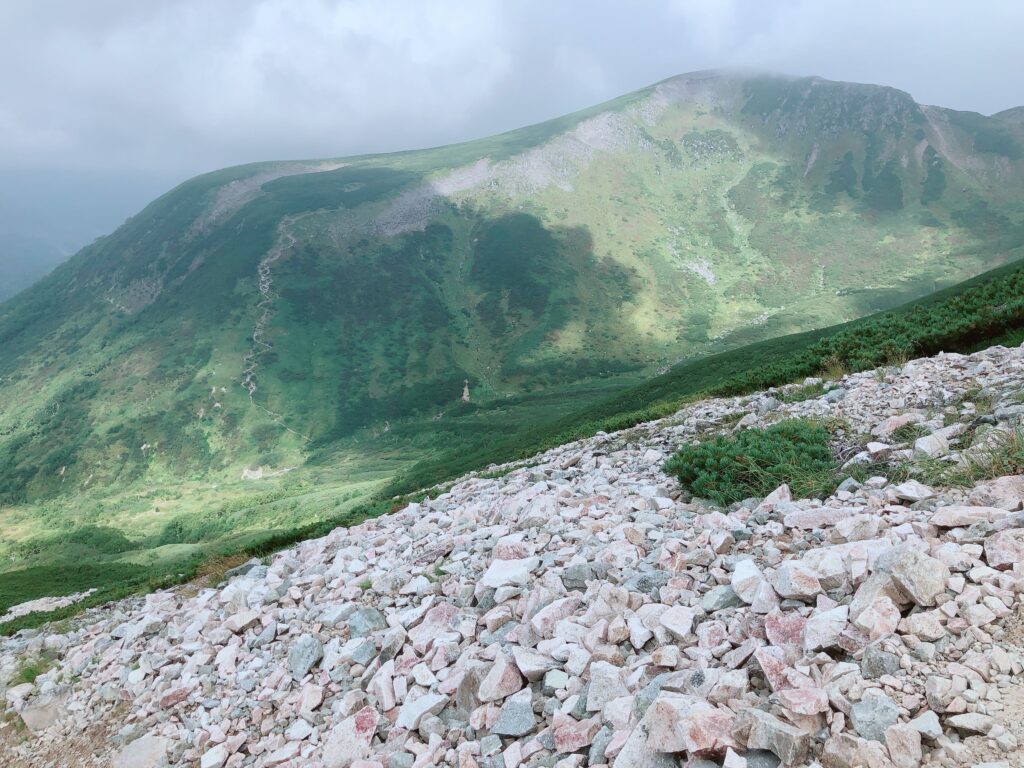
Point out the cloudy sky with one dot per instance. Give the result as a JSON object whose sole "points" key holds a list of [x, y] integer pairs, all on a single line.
{"points": [[169, 88]]}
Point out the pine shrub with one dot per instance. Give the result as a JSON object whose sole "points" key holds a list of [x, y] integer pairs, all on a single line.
{"points": [[730, 468]]}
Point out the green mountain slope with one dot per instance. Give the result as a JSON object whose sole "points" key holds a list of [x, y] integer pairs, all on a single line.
{"points": [[320, 314], [91, 547]]}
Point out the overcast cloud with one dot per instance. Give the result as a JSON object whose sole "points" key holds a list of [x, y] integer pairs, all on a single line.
{"points": [[177, 87]]}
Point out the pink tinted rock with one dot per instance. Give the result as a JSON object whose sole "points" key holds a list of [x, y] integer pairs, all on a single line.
{"points": [[312, 696], [174, 696], [546, 618], [879, 619], [819, 517], [739, 655], [804, 701], [1005, 548], [1005, 492], [904, 745], [780, 494], [572, 735], [509, 548], [350, 740], [777, 672], [961, 517], [241, 621], [912, 491], [795, 580], [435, 622], [824, 628], [789, 743], [919, 577], [677, 722], [501, 681], [678, 620], [845, 750], [503, 573], [887, 426], [784, 628], [925, 625], [711, 634], [708, 731]]}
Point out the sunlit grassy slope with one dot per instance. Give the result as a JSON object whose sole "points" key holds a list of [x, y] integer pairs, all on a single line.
{"points": [[543, 269]]}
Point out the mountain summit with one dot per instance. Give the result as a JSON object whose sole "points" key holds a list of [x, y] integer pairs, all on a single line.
{"points": [[258, 316]]}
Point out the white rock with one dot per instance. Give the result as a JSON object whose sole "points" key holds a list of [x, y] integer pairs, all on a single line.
{"points": [[678, 620], [509, 572], [823, 628], [932, 446], [215, 757], [144, 752], [414, 710], [747, 580]]}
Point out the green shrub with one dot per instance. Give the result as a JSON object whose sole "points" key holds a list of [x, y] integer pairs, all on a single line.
{"points": [[754, 462], [84, 541]]}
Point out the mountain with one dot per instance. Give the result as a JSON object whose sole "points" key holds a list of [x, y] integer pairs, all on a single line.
{"points": [[1012, 115], [350, 316]]}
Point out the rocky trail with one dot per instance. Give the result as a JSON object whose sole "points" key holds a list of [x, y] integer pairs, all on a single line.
{"points": [[264, 311], [580, 610]]}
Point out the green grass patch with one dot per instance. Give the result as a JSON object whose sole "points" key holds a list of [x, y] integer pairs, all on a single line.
{"points": [[1004, 456], [30, 669], [908, 433], [805, 392], [48, 580], [116, 580]]}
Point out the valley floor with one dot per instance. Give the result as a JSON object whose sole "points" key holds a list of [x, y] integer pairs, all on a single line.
{"points": [[580, 609]]}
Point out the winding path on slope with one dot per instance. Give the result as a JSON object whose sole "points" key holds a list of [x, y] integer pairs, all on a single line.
{"points": [[284, 241]]}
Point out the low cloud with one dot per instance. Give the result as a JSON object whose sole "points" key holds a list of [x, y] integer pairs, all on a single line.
{"points": [[181, 87]]}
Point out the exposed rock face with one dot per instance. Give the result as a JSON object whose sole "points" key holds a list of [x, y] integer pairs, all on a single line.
{"points": [[584, 612]]}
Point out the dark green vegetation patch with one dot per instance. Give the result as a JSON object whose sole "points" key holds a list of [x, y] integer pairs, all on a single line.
{"points": [[987, 135], [754, 462]]}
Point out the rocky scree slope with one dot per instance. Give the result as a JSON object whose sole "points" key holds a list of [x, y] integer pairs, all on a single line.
{"points": [[583, 611]]}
